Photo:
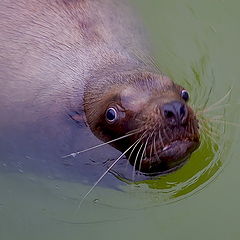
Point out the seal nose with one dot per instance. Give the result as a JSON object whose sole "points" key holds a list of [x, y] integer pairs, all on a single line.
{"points": [[175, 112]]}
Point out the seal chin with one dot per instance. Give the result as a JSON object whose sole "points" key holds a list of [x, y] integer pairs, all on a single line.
{"points": [[169, 158]]}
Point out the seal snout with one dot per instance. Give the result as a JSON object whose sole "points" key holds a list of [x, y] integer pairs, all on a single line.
{"points": [[175, 112]]}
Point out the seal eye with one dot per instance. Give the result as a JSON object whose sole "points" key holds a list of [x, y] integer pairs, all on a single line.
{"points": [[111, 115], [185, 95]]}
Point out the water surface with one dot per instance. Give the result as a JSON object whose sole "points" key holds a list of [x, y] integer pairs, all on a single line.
{"points": [[197, 44]]}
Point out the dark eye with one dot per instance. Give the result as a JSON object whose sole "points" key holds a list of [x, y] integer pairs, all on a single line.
{"points": [[185, 95], [111, 115]]}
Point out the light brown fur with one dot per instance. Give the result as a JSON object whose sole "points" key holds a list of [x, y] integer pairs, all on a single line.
{"points": [[49, 48], [58, 56]]}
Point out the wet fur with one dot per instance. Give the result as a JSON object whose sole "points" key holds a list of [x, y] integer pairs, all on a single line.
{"points": [[50, 48], [64, 56]]}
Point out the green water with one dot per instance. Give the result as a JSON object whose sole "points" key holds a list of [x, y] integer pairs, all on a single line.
{"points": [[197, 44]]}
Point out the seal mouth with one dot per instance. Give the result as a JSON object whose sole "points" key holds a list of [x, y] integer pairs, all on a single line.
{"points": [[175, 150], [167, 158]]}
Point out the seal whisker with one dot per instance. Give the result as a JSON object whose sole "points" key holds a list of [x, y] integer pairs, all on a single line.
{"points": [[225, 122], [220, 117], [135, 162], [103, 175], [100, 145], [136, 143], [209, 121], [144, 151], [209, 133], [151, 151], [207, 110], [209, 124], [155, 149], [206, 124], [160, 136], [166, 135], [216, 104], [210, 130], [191, 127]]}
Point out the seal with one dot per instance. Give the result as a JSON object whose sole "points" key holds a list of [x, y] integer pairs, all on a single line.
{"points": [[151, 111], [78, 56]]}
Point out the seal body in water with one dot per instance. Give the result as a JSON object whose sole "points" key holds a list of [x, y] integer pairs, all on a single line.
{"points": [[65, 60]]}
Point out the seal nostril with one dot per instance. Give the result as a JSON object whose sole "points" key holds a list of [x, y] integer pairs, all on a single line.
{"points": [[175, 111], [168, 114]]}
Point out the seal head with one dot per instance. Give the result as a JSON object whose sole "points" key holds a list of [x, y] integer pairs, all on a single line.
{"points": [[152, 112]]}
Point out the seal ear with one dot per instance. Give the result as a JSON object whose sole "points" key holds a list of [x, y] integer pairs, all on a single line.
{"points": [[78, 117]]}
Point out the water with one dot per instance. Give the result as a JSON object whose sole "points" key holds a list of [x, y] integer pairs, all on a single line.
{"points": [[197, 44]]}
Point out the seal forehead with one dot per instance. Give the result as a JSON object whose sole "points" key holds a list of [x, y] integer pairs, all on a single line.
{"points": [[148, 90], [166, 81], [132, 99]]}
